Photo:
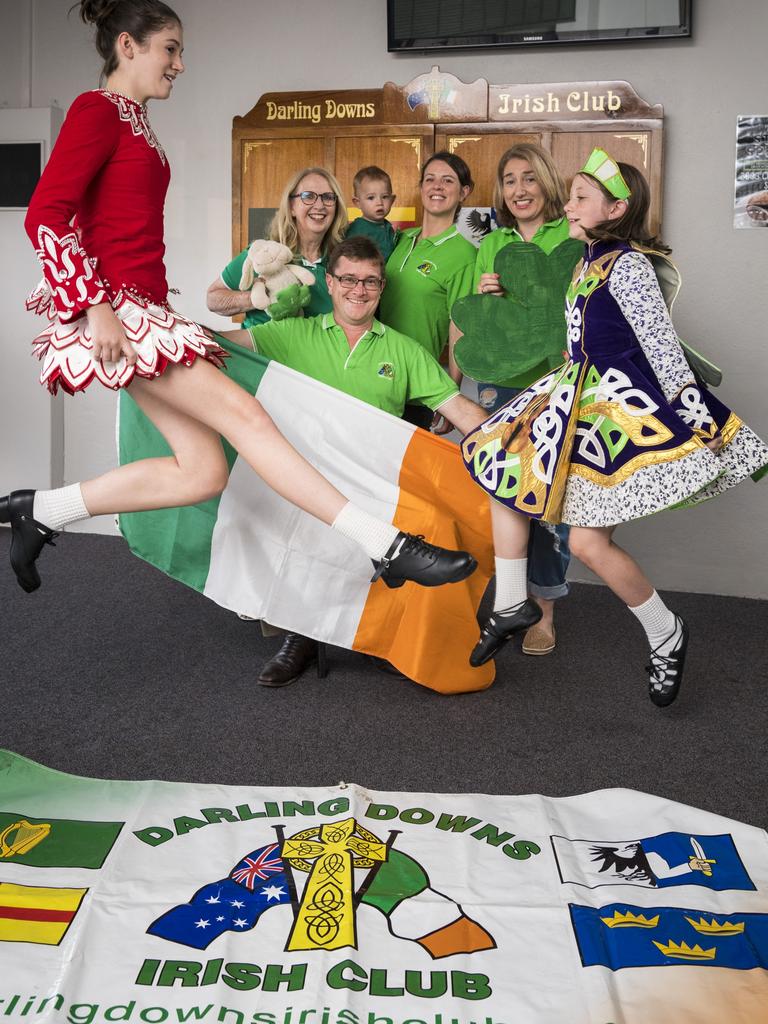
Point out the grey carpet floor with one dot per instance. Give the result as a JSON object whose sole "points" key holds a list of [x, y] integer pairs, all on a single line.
{"points": [[113, 670]]}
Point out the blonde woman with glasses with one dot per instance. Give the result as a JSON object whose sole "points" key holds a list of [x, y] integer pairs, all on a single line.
{"points": [[310, 220]]}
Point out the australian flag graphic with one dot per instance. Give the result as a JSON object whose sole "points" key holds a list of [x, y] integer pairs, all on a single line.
{"points": [[233, 904]]}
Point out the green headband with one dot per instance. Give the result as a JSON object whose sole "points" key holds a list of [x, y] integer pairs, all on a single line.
{"points": [[605, 170]]}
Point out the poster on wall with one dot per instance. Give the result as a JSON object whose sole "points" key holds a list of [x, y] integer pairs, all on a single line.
{"points": [[751, 192]]}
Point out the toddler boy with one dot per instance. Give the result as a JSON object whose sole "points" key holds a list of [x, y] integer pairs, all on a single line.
{"points": [[373, 196]]}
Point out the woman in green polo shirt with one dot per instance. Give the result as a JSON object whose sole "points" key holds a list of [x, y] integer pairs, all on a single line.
{"points": [[431, 266], [310, 220], [528, 198]]}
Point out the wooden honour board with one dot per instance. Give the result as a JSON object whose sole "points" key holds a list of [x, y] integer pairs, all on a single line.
{"points": [[398, 127]]}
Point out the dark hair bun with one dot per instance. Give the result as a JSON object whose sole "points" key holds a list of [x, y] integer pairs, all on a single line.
{"points": [[96, 12]]}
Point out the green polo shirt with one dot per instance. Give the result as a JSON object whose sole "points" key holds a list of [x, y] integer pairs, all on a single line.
{"points": [[381, 232], [548, 237], [319, 299], [385, 368], [425, 276]]}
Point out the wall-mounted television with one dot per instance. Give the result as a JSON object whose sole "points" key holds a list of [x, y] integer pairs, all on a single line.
{"points": [[422, 25], [21, 164]]}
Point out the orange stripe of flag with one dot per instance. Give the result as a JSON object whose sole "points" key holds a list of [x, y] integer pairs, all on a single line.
{"points": [[428, 633], [462, 936]]}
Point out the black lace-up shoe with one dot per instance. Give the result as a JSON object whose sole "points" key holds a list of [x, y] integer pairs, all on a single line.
{"points": [[412, 558], [28, 537], [296, 653], [665, 672], [500, 627]]}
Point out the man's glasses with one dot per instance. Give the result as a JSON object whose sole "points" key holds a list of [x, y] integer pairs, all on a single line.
{"points": [[310, 198], [348, 282]]}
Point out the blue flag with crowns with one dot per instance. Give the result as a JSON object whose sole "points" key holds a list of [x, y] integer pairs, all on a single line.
{"points": [[232, 904], [619, 935]]}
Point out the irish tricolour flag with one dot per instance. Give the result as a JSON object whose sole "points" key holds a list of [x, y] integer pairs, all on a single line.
{"points": [[254, 553]]}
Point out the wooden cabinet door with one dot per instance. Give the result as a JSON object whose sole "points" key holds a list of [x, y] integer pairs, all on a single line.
{"points": [[481, 146], [571, 149], [400, 150], [267, 161]]}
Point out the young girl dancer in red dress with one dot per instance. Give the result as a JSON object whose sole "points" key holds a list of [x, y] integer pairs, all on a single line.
{"points": [[105, 293]]}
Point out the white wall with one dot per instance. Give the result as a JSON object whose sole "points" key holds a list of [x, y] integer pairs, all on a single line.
{"points": [[702, 83]]}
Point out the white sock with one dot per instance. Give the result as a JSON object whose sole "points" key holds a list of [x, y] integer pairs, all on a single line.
{"points": [[58, 508], [660, 624], [511, 582], [373, 535]]}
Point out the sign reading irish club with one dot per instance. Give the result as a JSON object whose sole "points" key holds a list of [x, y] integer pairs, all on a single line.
{"points": [[439, 97]]}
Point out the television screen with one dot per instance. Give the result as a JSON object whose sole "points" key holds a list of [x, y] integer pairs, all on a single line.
{"points": [[457, 24], [21, 164]]}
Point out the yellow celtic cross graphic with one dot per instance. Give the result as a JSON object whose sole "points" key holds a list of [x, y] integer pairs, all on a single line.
{"points": [[326, 917]]}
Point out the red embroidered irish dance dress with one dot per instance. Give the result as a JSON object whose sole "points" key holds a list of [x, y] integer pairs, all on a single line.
{"points": [[109, 172]]}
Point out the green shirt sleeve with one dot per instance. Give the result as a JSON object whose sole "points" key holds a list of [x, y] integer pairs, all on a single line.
{"points": [[428, 382], [483, 261], [275, 338], [231, 274]]}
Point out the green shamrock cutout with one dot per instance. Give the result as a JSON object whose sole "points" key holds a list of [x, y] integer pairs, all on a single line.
{"points": [[505, 336], [289, 302]]}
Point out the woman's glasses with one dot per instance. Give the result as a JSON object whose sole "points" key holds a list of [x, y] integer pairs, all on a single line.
{"points": [[310, 198]]}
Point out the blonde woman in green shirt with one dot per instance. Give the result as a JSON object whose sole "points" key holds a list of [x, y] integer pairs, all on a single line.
{"points": [[528, 198], [310, 220]]}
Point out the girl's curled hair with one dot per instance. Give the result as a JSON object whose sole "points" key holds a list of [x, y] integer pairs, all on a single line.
{"points": [[139, 18]]}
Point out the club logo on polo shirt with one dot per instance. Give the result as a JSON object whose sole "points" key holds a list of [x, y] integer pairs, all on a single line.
{"points": [[386, 370], [426, 267]]}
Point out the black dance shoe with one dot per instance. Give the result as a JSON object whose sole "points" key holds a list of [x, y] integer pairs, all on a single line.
{"points": [[28, 537], [412, 558], [500, 627], [665, 672]]}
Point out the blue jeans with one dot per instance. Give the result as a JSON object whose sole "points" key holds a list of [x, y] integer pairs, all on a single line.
{"points": [[548, 550]]}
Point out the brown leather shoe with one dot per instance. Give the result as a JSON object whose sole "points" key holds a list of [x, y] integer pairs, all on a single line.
{"points": [[296, 653]]}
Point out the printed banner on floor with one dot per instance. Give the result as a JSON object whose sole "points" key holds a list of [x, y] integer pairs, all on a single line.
{"points": [[246, 905], [256, 554]]}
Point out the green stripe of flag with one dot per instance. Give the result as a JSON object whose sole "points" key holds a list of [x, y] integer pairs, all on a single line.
{"points": [[178, 540], [399, 878], [69, 844]]}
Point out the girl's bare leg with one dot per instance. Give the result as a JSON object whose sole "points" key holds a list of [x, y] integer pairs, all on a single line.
{"points": [[595, 547], [196, 471], [510, 531], [190, 406], [667, 633]]}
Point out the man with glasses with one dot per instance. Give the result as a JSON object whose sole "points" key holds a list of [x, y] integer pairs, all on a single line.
{"points": [[350, 350]]}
